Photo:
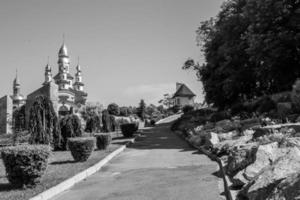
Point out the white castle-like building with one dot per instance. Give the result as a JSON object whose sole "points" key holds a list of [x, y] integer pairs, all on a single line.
{"points": [[64, 90]]}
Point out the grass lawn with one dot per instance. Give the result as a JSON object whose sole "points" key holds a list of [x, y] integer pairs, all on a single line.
{"points": [[61, 167]]}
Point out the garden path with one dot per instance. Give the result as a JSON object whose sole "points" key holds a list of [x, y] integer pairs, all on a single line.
{"points": [[159, 166]]}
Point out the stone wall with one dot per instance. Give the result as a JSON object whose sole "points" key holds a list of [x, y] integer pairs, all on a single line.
{"points": [[6, 115]]}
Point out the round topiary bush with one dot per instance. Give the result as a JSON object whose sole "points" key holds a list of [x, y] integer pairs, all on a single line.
{"points": [[103, 140], [81, 147], [25, 164], [128, 129]]}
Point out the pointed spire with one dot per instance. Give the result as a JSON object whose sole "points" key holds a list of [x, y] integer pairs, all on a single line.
{"points": [[63, 51], [78, 68], [16, 81], [48, 67]]}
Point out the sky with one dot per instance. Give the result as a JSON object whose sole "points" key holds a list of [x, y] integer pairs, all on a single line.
{"points": [[128, 49]]}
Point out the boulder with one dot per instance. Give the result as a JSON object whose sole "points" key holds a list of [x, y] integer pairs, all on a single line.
{"points": [[225, 147], [288, 188], [211, 139], [293, 142], [260, 132], [226, 126], [250, 123], [238, 180], [240, 157], [228, 136], [196, 140], [265, 156], [270, 177]]}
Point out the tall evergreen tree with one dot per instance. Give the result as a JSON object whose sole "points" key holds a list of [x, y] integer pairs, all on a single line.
{"points": [[141, 110], [43, 123]]}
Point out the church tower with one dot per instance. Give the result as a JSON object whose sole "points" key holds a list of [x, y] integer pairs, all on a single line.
{"points": [[17, 97], [78, 85], [64, 78]]}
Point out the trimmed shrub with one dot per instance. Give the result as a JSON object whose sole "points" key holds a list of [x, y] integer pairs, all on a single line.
{"points": [[70, 127], [103, 140], [25, 164], [81, 147], [187, 108], [113, 109], [128, 129]]}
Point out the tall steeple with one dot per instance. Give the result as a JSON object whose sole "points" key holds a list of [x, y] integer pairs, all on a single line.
{"points": [[16, 85], [78, 85], [64, 78], [48, 73], [63, 58], [17, 97]]}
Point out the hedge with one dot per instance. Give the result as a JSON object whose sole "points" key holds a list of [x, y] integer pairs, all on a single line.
{"points": [[25, 164], [103, 140], [81, 147], [128, 129]]}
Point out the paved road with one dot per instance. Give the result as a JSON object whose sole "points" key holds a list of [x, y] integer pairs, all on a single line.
{"points": [[159, 166]]}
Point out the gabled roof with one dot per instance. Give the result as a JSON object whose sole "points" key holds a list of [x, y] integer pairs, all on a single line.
{"points": [[183, 91]]}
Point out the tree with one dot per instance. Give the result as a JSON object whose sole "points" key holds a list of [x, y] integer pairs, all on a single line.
{"points": [[167, 101], [19, 119], [124, 111], [43, 123], [250, 49], [70, 127], [113, 109], [141, 110]]}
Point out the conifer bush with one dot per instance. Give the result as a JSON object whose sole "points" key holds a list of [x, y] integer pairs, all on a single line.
{"points": [[25, 164], [81, 147], [103, 140], [43, 123], [70, 127], [128, 129]]}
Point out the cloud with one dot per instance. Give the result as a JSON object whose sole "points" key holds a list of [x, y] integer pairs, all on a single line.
{"points": [[152, 93]]}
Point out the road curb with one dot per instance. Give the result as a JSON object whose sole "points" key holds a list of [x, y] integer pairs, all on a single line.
{"points": [[67, 184]]}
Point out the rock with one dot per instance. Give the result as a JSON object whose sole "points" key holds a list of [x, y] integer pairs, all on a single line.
{"points": [[225, 126], [269, 178], [284, 109], [228, 136], [211, 139], [265, 156], [225, 147], [238, 180], [208, 126], [293, 142], [196, 140], [248, 132], [240, 157], [260, 132], [288, 188], [250, 123]]}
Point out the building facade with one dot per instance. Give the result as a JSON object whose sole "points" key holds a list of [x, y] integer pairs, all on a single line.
{"points": [[64, 90], [183, 96]]}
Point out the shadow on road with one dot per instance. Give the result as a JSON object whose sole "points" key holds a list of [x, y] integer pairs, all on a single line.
{"points": [[160, 137]]}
